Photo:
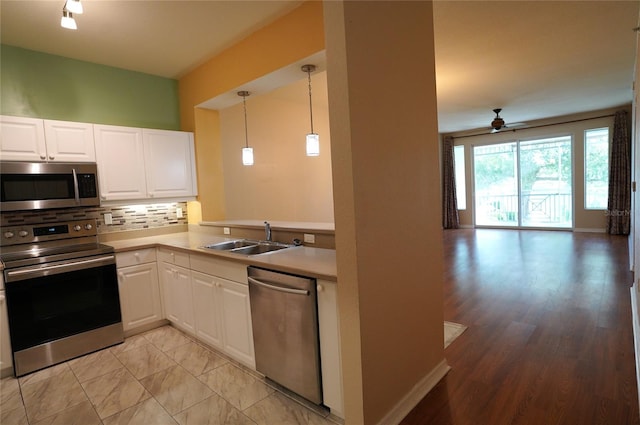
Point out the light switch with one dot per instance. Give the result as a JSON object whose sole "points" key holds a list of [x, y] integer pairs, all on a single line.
{"points": [[108, 218], [226, 231], [309, 238]]}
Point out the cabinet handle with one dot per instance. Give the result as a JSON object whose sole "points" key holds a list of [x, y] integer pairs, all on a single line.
{"points": [[2, 298], [320, 288], [43, 156], [137, 256], [218, 284], [51, 157], [120, 275]]}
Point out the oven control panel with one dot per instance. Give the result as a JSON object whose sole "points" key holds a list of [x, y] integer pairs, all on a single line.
{"points": [[41, 232]]}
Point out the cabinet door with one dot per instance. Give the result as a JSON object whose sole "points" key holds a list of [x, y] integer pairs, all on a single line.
{"points": [[206, 308], [69, 141], [169, 159], [329, 333], [178, 296], [22, 139], [139, 295], [120, 157], [236, 321]]}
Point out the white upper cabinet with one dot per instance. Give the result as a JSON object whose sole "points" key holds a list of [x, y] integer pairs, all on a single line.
{"points": [[34, 139], [121, 167], [169, 163], [22, 139], [138, 164], [69, 141]]}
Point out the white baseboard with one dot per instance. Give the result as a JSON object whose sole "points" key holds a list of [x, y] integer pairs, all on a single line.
{"points": [[636, 333], [589, 230], [413, 397]]}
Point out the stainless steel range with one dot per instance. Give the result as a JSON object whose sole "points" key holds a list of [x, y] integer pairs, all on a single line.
{"points": [[61, 292]]}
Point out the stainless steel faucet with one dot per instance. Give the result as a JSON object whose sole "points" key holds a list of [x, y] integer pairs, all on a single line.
{"points": [[267, 231]]}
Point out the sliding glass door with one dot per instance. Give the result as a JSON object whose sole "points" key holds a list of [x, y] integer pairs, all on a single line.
{"points": [[524, 183], [496, 184]]}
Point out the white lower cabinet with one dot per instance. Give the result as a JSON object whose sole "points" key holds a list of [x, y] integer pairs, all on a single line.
{"points": [[221, 307], [329, 332], [206, 306], [236, 322], [139, 288], [178, 298]]}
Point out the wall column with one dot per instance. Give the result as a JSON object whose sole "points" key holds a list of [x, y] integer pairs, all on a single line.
{"points": [[384, 152]]}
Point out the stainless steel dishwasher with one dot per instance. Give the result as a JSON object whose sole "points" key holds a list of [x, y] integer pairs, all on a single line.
{"points": [[284, 313]]}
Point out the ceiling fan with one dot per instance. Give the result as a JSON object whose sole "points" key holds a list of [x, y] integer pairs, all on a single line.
{"points": [[498, 123]]}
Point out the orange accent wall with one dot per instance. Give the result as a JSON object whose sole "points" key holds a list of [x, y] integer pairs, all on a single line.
{"points": [[290, 38], [294, 36]]}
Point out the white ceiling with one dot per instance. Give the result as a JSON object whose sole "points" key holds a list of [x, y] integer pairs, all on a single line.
{"points": [[534, 59]]}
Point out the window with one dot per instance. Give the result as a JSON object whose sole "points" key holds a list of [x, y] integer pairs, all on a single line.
{"points": [[461, 189], [596, 168]]}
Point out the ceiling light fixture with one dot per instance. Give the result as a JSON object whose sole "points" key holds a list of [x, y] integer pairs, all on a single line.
{"points": [[247, 152], [74, 6], [313, 140], [67, 20]]}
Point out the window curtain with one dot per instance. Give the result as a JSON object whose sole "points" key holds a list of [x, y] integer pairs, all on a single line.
{"points": [[619, 203], [450, 219]]}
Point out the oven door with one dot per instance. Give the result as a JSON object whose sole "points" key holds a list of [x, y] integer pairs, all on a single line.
{"points": [[51, 306]]}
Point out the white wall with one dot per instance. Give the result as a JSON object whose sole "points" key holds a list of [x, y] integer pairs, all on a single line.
{"points": [[283, 184]]}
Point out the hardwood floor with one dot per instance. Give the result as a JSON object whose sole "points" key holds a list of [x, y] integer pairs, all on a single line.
{"points": [[549, 338]]}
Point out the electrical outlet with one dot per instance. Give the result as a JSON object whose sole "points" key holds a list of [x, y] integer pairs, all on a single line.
{"points": [[309, 238], [108, 218], [179, 212], [226, 230]]}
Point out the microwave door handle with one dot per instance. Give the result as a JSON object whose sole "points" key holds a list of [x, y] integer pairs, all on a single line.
{"points": [[75, 186]]}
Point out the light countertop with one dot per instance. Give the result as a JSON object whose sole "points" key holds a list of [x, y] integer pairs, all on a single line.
{"points": [[312, 262]]}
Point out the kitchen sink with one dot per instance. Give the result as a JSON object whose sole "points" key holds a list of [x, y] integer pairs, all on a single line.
{"points": [[247, 246], [229, 245]]}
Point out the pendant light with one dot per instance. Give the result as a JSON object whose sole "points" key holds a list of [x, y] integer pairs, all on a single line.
{"points": [[313, 140], [74, 6], [67, 20], [247, 152]]}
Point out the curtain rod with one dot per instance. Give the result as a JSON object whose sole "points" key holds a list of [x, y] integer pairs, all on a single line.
{"points": [[536, 126]]}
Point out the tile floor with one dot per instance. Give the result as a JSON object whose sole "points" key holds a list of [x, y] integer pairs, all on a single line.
{"points": [[158, 377]]}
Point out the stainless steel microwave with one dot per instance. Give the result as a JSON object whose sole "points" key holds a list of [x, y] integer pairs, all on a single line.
{"points": [[37, 185]]}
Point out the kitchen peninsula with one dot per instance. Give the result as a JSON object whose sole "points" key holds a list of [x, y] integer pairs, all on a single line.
{"points": [[204, 292], [319, 263]]}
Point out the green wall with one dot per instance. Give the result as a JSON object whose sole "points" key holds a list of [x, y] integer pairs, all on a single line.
{"points": [[40, 85]]}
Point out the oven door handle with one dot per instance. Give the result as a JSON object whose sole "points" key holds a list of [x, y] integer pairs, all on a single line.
{"points": [[31, 272]]}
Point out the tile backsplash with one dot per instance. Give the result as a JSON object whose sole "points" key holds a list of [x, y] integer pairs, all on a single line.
{"points": [[124, 217]]}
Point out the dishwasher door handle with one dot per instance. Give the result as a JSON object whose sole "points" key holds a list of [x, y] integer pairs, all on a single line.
{"points": [[278, 288]]}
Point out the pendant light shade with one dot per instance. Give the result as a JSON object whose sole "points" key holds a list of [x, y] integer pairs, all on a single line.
{"points": [[313, 139], [247, 156], [74, 6], [313, 144], [247, 152], [67, 20]]}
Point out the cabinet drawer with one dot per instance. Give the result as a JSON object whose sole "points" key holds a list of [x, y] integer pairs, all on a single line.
{"points": [[174, 257], [225, 269], [132, 258]]}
